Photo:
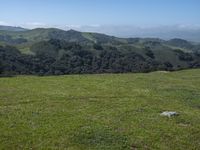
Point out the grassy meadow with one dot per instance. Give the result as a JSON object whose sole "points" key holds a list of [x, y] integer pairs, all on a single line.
{"points": [[101, 112]]}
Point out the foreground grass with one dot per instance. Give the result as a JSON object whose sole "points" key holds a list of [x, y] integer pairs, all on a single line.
{"points": [[113, 111]]}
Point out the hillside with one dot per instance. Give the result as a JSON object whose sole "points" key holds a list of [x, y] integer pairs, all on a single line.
{"points": [[10, 28], [54, 51], [109, 111]]}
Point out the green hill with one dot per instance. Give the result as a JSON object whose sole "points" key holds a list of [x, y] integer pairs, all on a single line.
{"points": [[108, 111], [10, 28], [42, 34], [54, 51]]}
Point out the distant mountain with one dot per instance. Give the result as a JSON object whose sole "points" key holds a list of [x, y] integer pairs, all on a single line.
{"points": [[53, 51], [28, 37], [10, 28], [190, 33]]}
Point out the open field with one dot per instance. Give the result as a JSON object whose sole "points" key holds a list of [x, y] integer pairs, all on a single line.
{"points": [[108, 111]]}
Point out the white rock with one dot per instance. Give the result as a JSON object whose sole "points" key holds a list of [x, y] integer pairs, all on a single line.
{"points": [[169, 113]]}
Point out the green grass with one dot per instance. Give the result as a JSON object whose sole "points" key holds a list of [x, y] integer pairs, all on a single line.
{"points": [[100, 112]]}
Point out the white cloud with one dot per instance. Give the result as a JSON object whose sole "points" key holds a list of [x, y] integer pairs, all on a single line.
{"points": [[32, 25], [73, 26], [4, 23], [188, 26]]}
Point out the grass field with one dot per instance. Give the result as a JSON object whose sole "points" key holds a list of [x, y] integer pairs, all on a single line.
{"points": [[108, 111]]}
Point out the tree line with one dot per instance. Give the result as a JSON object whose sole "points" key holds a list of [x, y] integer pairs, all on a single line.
{"points": [[56, 57]]}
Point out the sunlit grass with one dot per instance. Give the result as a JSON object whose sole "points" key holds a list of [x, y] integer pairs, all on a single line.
{"points": [[108, 111]]}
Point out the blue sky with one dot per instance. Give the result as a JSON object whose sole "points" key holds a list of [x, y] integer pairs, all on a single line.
{"points": [[99, 12]]}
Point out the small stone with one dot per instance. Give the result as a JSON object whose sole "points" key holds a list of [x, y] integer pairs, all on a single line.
{"points": [[169, 113]]}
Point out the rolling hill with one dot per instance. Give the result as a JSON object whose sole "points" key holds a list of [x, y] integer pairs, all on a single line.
{"points": [[11, 28], [54, 51]]}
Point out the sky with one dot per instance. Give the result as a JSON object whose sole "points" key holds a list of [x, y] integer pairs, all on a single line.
{"points": [[100, 12], [115, 17]]}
